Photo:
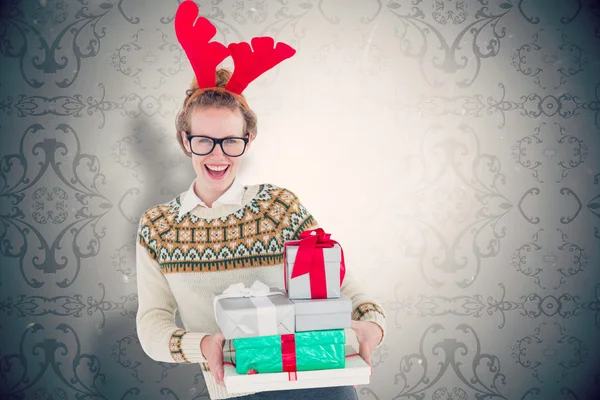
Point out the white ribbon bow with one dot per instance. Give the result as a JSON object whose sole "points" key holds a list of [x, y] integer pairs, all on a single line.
{"points": [[258, 289]]}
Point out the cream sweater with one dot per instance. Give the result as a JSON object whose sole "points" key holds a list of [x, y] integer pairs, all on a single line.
{"points": [[182, 263]]}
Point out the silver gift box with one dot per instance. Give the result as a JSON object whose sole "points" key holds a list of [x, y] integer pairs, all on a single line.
{"points": [[299, 287], [238, 317], [323, 314]]}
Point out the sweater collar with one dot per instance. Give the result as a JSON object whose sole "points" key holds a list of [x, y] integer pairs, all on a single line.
{"points": [[233, 195]]}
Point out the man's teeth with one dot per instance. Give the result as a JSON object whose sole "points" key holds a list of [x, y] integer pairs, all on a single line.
{"points": [[214, 168]]}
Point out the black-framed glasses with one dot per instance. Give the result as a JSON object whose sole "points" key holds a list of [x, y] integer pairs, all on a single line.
{"points": [[204, 145]]}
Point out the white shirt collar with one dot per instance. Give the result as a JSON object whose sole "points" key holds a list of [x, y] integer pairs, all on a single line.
{"points": [[234, 195]]}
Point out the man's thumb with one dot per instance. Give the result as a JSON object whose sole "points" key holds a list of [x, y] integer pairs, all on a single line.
{"points": [[367, 360], [219, 371], [364, 353]]}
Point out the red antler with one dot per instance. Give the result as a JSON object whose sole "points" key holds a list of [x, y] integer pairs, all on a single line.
{"points": [[204, 56], [249, 64]]}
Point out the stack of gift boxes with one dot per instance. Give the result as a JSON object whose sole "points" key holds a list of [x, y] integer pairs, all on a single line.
{"points": [[297, 329]]}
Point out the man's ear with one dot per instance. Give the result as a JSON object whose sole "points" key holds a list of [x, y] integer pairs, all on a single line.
{"points": [[185, 142]]}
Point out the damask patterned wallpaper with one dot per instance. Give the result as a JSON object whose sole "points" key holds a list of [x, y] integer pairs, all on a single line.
{"points": [[451, 146]]}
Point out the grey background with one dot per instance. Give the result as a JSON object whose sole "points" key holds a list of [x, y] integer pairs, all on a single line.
{"points": [[450, 146]]}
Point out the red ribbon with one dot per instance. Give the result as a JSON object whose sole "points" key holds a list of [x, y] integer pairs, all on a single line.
{"points": [[288, 355], [309, 260]]}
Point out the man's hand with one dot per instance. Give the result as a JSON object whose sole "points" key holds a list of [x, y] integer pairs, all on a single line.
{"points": [[212, 349], [369, 335]]}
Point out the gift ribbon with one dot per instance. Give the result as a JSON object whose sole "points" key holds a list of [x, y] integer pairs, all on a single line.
{"points": [[288, 355], [309, 260], [265, 309], [292, 375], [266, 314]]}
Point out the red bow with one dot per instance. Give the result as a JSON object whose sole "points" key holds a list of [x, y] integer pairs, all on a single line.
{"points": [[309, 260]]}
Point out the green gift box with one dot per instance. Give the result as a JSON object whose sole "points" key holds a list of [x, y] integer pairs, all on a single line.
{"points": [[302, 351]]}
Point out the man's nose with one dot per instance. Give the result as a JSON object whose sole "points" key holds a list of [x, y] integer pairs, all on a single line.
{"points": [[218, 150]]}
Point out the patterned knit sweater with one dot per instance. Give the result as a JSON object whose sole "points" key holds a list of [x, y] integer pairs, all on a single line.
{"points": [[183, 261]]}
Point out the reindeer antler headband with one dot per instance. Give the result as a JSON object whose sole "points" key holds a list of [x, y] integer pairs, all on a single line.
{"points": [[194, 35]]}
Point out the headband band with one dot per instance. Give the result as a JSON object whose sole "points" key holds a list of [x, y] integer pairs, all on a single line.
{"points": [[199, 91]]}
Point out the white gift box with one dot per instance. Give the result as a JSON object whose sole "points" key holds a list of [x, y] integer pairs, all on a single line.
{"points": [[243, 312], [299, 287], [356, 372], [323, 314]]}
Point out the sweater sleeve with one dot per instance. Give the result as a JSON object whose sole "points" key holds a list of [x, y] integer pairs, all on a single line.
{"points": [[160, 337], [364, 307]]}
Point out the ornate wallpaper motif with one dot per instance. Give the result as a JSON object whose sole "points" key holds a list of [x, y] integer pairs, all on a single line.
{"points": [[466, 134]]}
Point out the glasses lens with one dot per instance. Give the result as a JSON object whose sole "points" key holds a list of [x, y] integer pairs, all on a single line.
{"points": [[201, 145], [233, 147]]}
